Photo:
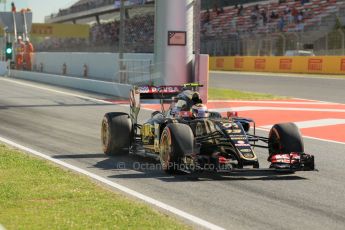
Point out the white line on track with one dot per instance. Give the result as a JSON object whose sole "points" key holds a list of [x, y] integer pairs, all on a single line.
{"points": [[279, 102], [254, 108], [315, 123], [122, 188], [308, 137]]}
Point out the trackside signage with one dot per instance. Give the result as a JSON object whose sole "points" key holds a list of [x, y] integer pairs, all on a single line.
{"points": [[285, 64], [280, 64], [239, 63], [260, 64], [342, 64], [220, 63], [315, 64]]}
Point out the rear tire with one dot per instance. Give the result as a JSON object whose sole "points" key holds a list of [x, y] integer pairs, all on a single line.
{"points": [[116, 133], [176, 140], [284, 139]]}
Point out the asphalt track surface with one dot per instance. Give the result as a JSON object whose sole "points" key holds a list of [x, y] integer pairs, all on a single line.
{"points": [[300, 86], [68, 128]]}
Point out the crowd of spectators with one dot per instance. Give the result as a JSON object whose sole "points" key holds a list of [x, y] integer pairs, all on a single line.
{"points": [[139, 37], [272, 16], [283, 18]]}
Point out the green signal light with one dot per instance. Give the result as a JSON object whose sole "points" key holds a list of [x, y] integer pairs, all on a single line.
{"points": [[9, 50]]}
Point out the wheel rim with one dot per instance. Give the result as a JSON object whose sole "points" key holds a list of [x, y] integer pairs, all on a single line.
{"points": [[199, 129], [105, 134], [165, 149]]}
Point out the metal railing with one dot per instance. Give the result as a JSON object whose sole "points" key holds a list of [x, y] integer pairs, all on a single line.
{"points": [[276, 44]]}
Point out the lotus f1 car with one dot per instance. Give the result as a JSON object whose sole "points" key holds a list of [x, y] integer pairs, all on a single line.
{"points": [[190, 138]]}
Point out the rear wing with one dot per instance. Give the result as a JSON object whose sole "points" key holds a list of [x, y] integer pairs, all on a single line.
{"points": [[159, 92]]}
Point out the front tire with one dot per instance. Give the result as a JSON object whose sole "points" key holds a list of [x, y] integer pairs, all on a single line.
{"points": [[284, 139], [176, 141], [116, 133]]}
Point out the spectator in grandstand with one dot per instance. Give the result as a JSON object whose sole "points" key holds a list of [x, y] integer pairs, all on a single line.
{"points": [[221, 10], [254, 17], [304, 1], [294, 14], [264, 17], [13, 7], [289, 17], [233, 23], [300, 17], [274, 15], [206, 18], [300, 26], [281, 23], [217, 10], [240, 11], [256, 8]]}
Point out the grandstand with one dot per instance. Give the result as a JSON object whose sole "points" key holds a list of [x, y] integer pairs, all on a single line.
{"points": [[268, 27], [259, 26]]}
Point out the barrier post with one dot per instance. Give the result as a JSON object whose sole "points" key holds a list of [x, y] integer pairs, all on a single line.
{"points": [[64, 69], [85, 70]]}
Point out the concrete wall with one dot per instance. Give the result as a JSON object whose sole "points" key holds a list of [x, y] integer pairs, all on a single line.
{"points": [[103, 66], [102, 87], [3, 68]]}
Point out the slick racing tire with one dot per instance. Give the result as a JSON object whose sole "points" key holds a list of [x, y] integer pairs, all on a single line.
{"points": [[176, 141], [116, 133], [285, 138]]}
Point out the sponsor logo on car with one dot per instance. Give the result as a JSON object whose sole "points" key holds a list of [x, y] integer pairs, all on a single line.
{"points": [[246, 150], [242, 145], [233, 131], [230, 125], [237, 137], [159, 89]]}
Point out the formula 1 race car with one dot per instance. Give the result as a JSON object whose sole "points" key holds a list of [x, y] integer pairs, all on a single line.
{"points": [[187, 137]]}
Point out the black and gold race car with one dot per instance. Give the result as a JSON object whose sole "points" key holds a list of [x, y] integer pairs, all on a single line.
{"points": [[187, 137]]}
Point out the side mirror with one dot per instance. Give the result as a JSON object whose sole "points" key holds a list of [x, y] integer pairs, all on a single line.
{"points": [[231, 114]]}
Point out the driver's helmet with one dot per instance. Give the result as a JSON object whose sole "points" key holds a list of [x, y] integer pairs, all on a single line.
{"points": [[196, 98], [199, 110]]}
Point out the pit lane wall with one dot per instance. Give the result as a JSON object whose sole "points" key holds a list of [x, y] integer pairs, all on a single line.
{"points": [[101, 66], [96, 86], [307, 65]]}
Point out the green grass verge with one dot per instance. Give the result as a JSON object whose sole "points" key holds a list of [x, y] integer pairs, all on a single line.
{"points": [[227, 94], [35, 194]]}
